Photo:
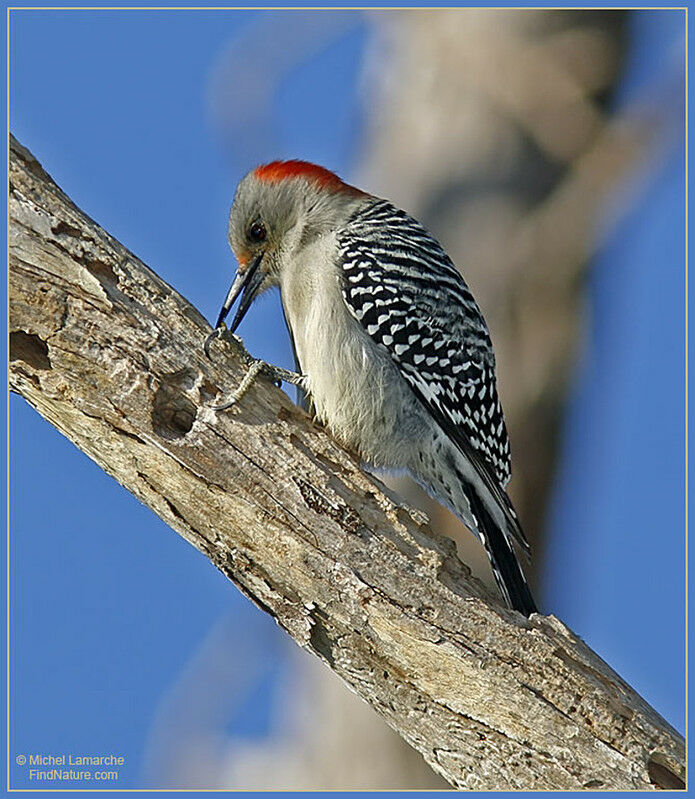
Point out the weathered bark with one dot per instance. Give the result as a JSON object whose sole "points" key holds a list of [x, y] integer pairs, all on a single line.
{"points": [[112, 356]]}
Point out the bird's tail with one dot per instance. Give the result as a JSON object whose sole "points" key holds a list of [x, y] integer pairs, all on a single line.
{"points": [[505, 565]]}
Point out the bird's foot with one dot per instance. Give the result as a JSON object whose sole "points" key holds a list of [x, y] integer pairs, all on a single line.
{"points": [[221, 333], [255, 367]]}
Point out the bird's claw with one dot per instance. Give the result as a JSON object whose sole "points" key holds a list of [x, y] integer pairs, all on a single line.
{"points": [[224, 406], [218, 332], [255, 366], [223, 333]]}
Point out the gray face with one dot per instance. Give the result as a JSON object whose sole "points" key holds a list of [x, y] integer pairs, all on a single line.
{"points": [[263, 214], [261, 222], [269, 224]]}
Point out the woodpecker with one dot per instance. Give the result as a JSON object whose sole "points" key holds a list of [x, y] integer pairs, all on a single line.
{"points": [[393, 351]]}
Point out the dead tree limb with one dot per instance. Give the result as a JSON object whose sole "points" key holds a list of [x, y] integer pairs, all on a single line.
{"points": [[112, 356]]}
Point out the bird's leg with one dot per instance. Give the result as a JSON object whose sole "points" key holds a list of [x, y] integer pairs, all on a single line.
{"points": [[255, 367]]}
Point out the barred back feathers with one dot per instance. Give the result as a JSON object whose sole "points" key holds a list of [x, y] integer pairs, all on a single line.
{"points": [[405, 291]]}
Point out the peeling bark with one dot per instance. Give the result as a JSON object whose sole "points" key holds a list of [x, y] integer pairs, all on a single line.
{"points": [[112, 356]]}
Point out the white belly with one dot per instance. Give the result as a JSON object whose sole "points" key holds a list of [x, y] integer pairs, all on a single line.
{"points": [[355, 387]]}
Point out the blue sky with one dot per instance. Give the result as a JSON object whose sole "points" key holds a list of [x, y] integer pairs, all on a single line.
{"points": [[108, 604]]}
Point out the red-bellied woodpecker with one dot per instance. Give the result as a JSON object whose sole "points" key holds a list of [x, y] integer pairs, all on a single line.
{"points": [[394, 352]]}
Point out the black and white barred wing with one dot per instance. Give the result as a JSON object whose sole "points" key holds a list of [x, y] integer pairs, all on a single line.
{"points": [[410, 298]]}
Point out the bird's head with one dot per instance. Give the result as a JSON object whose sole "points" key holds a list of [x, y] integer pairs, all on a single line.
{"points": [[279, 208]]}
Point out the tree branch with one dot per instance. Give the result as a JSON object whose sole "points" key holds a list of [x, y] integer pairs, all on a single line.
{"points": [[112, 356]]}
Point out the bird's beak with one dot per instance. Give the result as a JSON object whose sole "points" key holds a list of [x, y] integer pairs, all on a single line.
{"points": [[248, 282]]}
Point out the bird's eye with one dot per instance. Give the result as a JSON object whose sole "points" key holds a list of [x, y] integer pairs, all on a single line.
{"points": [[257, 232]]}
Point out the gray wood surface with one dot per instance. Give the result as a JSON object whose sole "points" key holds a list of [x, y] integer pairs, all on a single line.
{"points": [[112, 356]]}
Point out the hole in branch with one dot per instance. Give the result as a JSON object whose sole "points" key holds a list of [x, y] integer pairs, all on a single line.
{"points": [[173, 413], [29, 348], [662, 773]]}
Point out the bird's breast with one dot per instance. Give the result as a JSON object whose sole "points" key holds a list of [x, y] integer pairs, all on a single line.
{"points": [[355, 387]]}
